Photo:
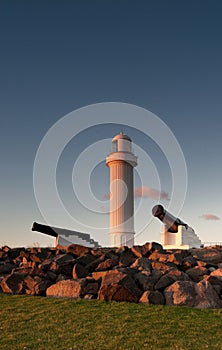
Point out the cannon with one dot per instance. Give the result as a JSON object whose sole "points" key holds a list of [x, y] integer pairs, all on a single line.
{"points": [[64, 236], [175, 234], [168, 219]]}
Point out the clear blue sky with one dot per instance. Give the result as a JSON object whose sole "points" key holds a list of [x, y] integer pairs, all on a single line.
{"points": [[57, 56]]}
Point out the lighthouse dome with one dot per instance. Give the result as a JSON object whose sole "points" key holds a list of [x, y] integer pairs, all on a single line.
{"points": [[121, 136]]}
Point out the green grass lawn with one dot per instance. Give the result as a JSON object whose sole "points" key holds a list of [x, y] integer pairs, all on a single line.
{"points": [[46, 323]]}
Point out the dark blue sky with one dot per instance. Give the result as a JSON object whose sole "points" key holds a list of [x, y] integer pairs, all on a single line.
{"points": [[56, 56]]}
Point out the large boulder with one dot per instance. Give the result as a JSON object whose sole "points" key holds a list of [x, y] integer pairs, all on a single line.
{"points": [[181, 293], [66, 288], [73, 288], [207, 297], [117, 286]]}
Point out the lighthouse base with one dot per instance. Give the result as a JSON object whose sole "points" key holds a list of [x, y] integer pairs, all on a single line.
{"points": [[118, 239], [184, 238]]}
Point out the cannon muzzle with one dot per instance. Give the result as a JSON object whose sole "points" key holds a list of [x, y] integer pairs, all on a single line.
{"points": [[168, 219]]}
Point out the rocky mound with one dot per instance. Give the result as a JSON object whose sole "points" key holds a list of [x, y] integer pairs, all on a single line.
{"points": [[146, 274]]}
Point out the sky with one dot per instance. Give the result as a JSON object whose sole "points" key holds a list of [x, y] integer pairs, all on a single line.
{"points": [[57, 57]]}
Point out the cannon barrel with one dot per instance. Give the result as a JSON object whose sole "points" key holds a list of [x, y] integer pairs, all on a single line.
{"points": [[44, 229], [168, 219]]}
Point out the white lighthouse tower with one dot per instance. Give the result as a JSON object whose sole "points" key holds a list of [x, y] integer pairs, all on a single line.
{"points": [[121, 163]]}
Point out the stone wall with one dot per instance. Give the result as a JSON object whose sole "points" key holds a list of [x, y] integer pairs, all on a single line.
{"points": [[145, 274]]}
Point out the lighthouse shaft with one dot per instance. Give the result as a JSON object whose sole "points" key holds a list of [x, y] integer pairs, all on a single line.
{"points": [[121, 163], [121, 201]]}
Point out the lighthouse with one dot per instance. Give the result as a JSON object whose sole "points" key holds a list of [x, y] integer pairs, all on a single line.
{"points": [[121, 162]]}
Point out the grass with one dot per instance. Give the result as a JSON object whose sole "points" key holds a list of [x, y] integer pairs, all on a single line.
{"points": [[45, 323]]}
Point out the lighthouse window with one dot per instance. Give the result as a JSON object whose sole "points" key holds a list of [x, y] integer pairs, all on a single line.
{"points": [[115, 146]]}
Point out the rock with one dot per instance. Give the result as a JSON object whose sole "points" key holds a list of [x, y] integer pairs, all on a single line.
{"points": [[6, 268], [215, 282], [97, 252], [146, 249], [217, 274], [211, 269], [178, 256], [208, 255], [127, 258], [112, 276], [98, 275], [152, 297], [142, 264], [45, 265], [120, 250], [207, 297], [107, 264], [145, 297], [189, 262], [138, 251], [66, 288], [118, 286], [181, 293], [113, 256], [159, 256], [116, 292], [35, 258], [156, 298], [79, 271], [77, 250], [51, 276], [147, 282], [201, 263], [197, 273], [29, 285], [94, 263], [73, 288], [27, 264], [6, 249], [91, 287], [152, 246], [156, 265], [169, 278], [86, 259], [13, 284], [61, 278], [63, 263]]}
